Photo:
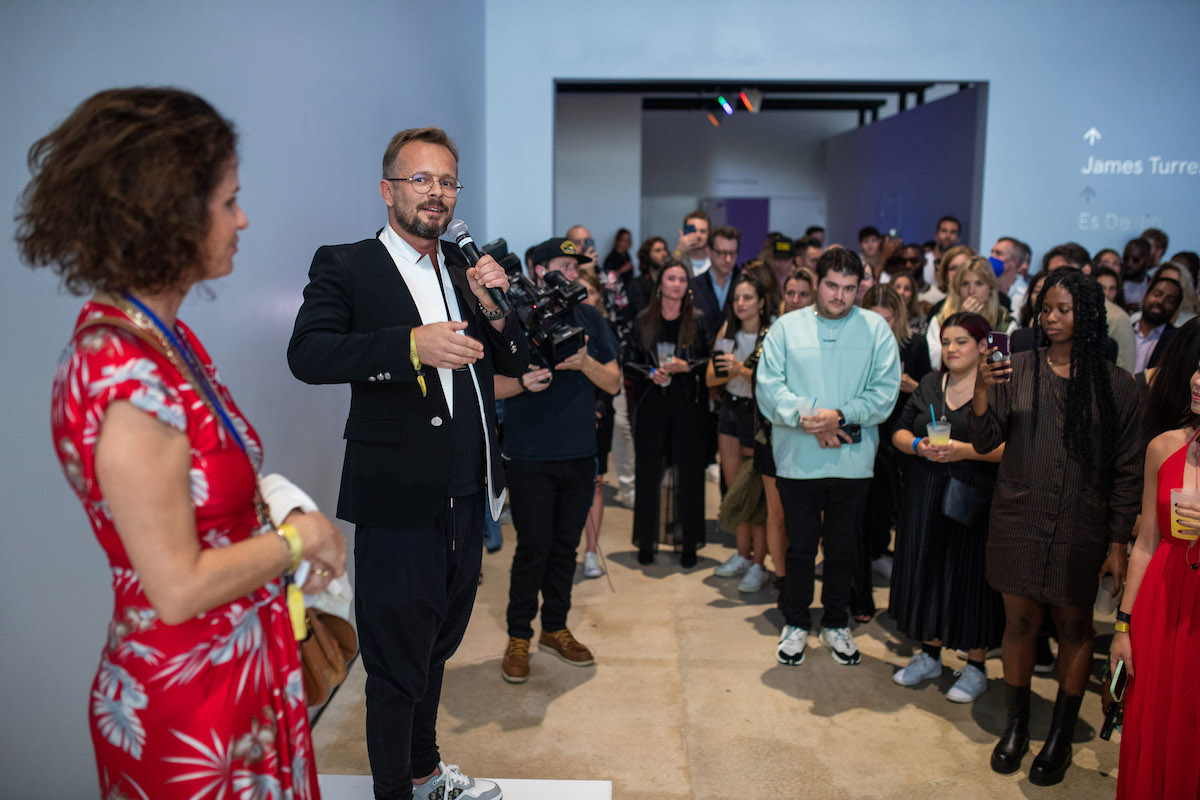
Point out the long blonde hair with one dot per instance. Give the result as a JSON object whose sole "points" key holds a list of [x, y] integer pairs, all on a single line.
{"points": [[947, 257], [991, 311]]}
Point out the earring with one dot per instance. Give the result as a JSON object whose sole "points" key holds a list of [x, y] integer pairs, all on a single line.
{"points": [[658, 292]]}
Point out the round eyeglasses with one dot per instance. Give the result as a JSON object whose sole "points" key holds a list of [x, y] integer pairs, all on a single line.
{"points": [[422, 183]]}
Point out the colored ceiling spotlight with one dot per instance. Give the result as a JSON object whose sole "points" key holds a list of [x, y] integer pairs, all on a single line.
{"points": [[713, 119], [725, 105], [752, 99]]}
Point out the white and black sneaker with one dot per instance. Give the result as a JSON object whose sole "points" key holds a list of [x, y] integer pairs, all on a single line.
{"points": [[841, 646], [792, 642], [451, 784]]}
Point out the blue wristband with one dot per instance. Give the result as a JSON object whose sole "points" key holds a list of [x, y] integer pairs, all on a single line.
{"points": [[916, 442]]}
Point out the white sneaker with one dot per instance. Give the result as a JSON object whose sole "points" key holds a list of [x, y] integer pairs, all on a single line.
{"points": [[734, 565], [754, 580], [882, 567], [453, 785], [841, 646], [791, 646], [591, 566], [922, 667], [972, 682]]}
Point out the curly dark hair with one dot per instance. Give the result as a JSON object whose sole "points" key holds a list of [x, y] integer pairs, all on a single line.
{"points": [[732, 324], [120, 190], [1090, 386]]}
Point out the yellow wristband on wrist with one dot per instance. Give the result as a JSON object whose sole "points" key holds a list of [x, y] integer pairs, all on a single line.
{"points": [[416, 362], [1121, 627], [291, 537]]}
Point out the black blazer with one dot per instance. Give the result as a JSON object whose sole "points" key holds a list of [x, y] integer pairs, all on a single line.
{"points": [[354, 327], [704, 297]]}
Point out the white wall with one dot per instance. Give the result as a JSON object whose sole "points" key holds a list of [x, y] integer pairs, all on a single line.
{"points": [[597, 167], [316, 91], [778, 155], [1051, 69]]}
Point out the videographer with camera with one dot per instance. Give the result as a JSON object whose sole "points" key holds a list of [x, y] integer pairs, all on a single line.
{"points": [[550, 449]]}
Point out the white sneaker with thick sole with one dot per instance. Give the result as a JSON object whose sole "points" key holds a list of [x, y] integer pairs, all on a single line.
{"points": [[754, 580], [591, 566], [971, 683], [451, 784], [792, 642], [841, 646], [922, 667], [734, 565]]}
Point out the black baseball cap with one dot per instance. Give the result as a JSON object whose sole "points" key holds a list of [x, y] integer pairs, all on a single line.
{"points": [[553, 248]]}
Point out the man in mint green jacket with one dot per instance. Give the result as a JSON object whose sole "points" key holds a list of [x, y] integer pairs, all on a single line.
{"points": [[829, 374]]}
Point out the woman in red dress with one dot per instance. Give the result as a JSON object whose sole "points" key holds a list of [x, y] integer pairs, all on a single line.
{"points": [[198, 693], [1159, 620]]}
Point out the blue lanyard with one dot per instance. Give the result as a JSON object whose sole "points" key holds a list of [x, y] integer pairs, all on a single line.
{"points": [[193, 363]]}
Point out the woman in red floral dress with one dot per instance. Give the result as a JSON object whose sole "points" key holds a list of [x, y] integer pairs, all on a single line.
{"points": [[198, 693]]}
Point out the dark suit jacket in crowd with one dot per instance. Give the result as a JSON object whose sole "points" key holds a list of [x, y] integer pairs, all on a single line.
{"points": [[354, 327], [704, 297]]}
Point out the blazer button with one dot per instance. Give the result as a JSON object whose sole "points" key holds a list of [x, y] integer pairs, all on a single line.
{"points": [[379, 376], [513, 348], [436, 422], [387, 376], [371, 379]]}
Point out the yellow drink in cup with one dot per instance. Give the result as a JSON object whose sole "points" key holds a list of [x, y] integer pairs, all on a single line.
{"points": [[939, 433], [1177, 528]]}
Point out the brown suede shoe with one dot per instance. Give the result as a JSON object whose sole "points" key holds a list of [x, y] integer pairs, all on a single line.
{"points": [[563, 645], [515, 666]]}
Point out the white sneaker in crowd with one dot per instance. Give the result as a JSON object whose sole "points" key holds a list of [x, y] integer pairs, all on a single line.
{"points": [[841, 646], [790, 650], [734, 565], [922, 667], [451, 784], [754, 580], [591, 566], [972, 682]]}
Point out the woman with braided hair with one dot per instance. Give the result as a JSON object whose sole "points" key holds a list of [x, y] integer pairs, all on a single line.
{"points": [[1067, 492]]}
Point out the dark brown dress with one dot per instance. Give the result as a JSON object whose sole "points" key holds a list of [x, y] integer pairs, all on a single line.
{"points": [[1052, 521]]}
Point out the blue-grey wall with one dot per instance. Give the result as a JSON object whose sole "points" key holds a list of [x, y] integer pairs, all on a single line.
{"points": [[907, 171], [316, 90], [1053, 69]]}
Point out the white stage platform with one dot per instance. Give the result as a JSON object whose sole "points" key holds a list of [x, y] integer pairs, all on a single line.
{"points": [[358, 787]]}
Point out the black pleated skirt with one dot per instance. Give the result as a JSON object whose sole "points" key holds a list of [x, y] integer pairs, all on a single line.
{"points": [[939, 584]]}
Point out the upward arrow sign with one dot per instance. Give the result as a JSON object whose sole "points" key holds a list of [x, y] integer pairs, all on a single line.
{"points": [[1092, 135]]}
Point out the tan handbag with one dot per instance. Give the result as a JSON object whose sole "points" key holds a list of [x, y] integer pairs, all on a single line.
{"points": [[325, 655]]}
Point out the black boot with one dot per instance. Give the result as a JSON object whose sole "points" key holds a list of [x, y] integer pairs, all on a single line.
{"points": [[1014, 742], [1051, 764]]}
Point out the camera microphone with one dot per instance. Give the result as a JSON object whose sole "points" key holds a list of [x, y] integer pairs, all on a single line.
{"points": [[462, 237]]}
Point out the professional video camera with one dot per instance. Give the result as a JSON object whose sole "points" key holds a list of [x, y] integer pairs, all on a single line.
{"points": [[541, 310]]}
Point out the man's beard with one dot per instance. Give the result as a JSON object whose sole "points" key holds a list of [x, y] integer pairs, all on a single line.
{"points": [[414, 226], [1155, 318], [824, 311]]}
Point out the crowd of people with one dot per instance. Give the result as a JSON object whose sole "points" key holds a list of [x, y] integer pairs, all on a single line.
{"points": [[1006, 435], [973, 433]]}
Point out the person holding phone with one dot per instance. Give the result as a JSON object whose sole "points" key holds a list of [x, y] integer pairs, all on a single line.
{"points": [[940, 595], [665, 356], [1157, 638], [732, 367], [1066, 496]]}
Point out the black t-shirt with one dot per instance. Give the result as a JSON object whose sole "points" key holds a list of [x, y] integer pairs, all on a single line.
{"points": [[560, 423]]}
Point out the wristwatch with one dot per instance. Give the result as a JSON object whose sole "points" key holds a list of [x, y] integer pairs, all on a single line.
{"points": [[491, 316]]}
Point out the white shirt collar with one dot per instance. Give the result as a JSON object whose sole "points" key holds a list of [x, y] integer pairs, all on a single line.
{"points": [[399, 248]]}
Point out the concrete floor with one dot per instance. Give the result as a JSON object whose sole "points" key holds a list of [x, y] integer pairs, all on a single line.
{"points": [[687, 701]]}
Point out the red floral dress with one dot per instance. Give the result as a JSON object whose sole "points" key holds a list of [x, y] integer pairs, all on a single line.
{"points": [[212, 707]]}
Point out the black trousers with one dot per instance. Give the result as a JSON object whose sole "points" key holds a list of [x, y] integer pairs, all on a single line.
{"points": [[842, 500], [550, 502], [670, 420], [414, 589]]}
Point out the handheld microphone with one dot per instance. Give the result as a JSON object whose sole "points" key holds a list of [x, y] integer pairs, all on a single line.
{"points": [[462, 237]]}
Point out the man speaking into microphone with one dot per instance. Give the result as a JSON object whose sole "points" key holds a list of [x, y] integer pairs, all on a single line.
{"points": [[417, 333]]}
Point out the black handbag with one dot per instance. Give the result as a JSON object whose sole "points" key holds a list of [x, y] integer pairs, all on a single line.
{"points": [[965, 504]]}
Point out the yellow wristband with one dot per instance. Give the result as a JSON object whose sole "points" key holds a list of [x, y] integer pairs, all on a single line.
{"points": [[1121, 627], [291, 538], [416, 362]]}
